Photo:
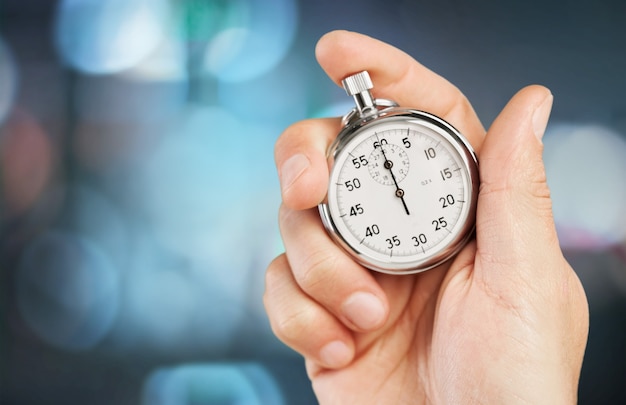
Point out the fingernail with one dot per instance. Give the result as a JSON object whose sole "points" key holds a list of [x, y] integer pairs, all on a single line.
{"points": [[364, 310], [291, 169], [335, 354], [541, 116]]}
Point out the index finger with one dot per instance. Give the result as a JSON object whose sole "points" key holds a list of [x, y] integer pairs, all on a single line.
{"points": [[399, 77], [300, 152]]}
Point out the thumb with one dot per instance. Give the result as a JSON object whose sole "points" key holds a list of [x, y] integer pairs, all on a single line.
{"points": [[514, 223], [518, 263]]}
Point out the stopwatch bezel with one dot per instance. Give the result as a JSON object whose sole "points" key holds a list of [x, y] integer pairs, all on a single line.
{"points": [[353, 127]]}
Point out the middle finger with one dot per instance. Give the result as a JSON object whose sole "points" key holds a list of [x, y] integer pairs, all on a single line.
{"points": [[328, 275]]}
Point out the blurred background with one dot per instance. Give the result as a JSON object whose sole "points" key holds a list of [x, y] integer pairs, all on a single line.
{"points": [[138, 195]]}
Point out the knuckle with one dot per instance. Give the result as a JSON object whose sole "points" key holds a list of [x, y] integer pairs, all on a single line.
{"points": [[273, 276], [292, 222], [294, 325], [285, 215], [461, 107], [275, 272], [459, 110], [319, 271], [288, 322]]}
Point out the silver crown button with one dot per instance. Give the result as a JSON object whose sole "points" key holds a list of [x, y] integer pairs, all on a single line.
{"points": [[358, 86]]}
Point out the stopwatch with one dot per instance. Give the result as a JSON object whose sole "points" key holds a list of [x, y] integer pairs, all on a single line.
{"points": [[403, 185]]}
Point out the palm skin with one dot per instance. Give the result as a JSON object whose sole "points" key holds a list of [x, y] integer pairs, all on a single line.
{"points": [[451, 341]]}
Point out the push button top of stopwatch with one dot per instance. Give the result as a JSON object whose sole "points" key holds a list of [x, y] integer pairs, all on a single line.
{"points": [[358, 86]]}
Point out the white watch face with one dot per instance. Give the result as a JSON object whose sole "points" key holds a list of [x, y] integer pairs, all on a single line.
{"points": [[402, 194]]}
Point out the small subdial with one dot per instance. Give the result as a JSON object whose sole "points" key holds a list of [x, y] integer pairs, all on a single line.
{"points": [[380, 164]]}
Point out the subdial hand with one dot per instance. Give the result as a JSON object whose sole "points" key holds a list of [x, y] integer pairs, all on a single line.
{"points": [[399, 192]]}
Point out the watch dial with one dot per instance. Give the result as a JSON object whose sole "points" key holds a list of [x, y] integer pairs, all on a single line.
{"points": [[401, 192]]}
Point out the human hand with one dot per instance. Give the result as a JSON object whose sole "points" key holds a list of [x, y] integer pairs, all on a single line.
{"points": [[504, 322]]}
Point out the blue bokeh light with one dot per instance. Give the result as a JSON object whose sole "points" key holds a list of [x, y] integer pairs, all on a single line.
{"points": [[589, 202], [167, 62], [67, 290], [172, 304], [338, 109], [160, 307], [198, 180], [196, 252], [246, 383], [253, 42], [93, 215], [279, 97], [109, 36]]}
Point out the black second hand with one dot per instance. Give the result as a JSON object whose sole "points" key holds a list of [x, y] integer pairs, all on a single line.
{"points": [[399, 192]]}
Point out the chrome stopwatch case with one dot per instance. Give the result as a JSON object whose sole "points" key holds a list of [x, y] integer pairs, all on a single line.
{"points": [[403, 185]]}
